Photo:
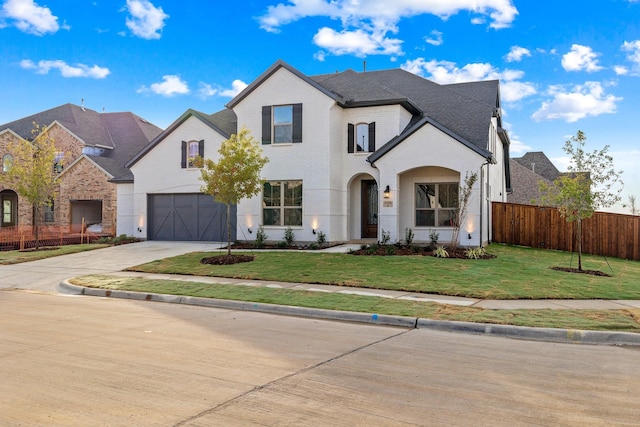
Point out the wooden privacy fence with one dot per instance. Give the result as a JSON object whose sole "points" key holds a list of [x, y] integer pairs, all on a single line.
{"points": [[608, 234]]}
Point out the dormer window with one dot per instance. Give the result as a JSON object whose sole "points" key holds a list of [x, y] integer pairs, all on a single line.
{"points": [[361, 138]]}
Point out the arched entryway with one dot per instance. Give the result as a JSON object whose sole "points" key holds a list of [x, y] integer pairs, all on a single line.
{"points": [[8, 208], [363, 207]]}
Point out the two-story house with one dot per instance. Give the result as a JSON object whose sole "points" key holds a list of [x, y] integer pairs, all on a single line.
{"points": [[95, 146], [351, 154]]}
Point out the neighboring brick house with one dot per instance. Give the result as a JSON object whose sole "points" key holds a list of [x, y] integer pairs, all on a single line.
{"points": [[353, 155], [96, 147]]}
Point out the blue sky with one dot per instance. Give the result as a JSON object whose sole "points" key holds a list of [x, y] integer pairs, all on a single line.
{"points": [[569, 66]]}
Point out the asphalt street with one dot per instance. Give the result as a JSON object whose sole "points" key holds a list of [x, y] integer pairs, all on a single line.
{"points": [[88, 361]]}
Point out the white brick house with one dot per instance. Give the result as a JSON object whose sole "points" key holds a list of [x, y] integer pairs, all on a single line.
{"points": [[336, 143]]}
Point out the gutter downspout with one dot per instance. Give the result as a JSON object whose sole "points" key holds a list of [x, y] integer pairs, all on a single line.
{"points": [[482, 197]]}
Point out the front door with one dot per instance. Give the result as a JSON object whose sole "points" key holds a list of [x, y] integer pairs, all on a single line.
{"points": [[369, 209]]}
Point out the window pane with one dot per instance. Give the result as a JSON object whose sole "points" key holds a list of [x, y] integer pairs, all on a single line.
{"points": [[271, 194], [362, 137], [7, 162], [425, 195], [425, 218], [283, 115], [293, 193], [293, 216], [448, 195], [283, 133], [271, 217], [446, 217]]}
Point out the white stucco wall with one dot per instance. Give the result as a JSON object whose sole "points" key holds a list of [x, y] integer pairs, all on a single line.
{"points": [[124, 217], [160, 171], [309, 161]]}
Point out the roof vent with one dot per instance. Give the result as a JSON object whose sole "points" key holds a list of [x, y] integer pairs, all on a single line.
{"points": [[82, 105]]}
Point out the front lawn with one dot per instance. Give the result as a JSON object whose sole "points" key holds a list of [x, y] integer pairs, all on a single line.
{"points": [[15, 257], [515, 273]]}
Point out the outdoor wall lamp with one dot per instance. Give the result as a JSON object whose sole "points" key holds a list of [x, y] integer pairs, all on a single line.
{"points": [[249, 230], [139, 230], [313, 231], [469, 236], [387, 192]]}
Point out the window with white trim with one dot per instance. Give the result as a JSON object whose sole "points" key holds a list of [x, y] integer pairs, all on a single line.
{"points": [[282, 203], [361, 138], [282, 124], [7, 162], [189, 151], [436, 204]]}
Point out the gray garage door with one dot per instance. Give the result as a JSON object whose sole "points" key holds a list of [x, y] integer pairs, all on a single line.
{"points": [[185, 217]]}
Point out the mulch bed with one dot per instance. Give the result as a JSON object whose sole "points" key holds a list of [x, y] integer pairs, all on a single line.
{"points": [[227, 259], [575, 270], [392, 250]]}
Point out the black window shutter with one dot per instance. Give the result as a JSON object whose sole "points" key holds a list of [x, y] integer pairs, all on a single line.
{"points": [[350, 137], [201, 148], [183, 162], [266, 124], [372, 137], [297, 122]]}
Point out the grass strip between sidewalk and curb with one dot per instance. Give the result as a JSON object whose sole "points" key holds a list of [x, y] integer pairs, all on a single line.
{"points": [[626, 320]]}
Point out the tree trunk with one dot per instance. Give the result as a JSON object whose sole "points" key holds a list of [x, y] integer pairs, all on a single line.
{"points": [[228, 229], [579, 244], [36, 224]]}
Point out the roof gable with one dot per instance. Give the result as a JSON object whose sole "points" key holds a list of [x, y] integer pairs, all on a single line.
{"points": [[223, 122], [271, 71]]}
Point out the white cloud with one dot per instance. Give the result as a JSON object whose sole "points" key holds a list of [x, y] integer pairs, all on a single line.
{"points": [[237, 86], [29, 17], [621, 70], [576, 103], [444, 72], [66, 70], [633, 55], [320, 56], [368, 22], [517, 53], [146, 20], [581, 58], [171, 85], [206, 90], [435, 38], [359, 42]]}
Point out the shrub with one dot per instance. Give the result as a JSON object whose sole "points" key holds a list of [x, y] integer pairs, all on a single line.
{"points": [[408, 236], [282, 245], [390, 250], [475, 253], [261, 237], [314, 246], [434, 236], [289, 237], [441, 252], [321, 239], [386, 236]]}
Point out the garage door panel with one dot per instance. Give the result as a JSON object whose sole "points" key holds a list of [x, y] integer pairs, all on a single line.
{"points": [[187, 217]]}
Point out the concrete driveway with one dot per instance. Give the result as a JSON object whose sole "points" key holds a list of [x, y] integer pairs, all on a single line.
{"points": [[45, 274]]}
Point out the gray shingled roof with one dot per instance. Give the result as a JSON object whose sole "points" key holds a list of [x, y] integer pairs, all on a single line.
{"points": [[539, 163], [525, 185], [122, 134]]}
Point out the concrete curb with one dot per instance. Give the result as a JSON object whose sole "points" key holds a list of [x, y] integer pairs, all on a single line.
{"points": [[517, 332]]}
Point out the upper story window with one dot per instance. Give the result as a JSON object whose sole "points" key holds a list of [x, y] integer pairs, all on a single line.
{"points": [[282, 124], [436, 204], [92, 151], [58, 161], [361, 138], [190, 150], [7, 162]]}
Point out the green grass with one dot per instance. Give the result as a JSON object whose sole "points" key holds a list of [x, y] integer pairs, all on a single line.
{"points": [[15, 257], [611, 320], [516, 273]]}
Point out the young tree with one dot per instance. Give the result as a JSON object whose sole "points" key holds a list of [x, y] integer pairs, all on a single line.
{"points": [[235, 175], [590, 184], [463, 204], [631, 204], [34, 171]]}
